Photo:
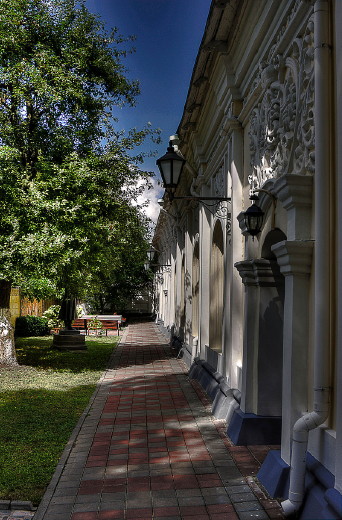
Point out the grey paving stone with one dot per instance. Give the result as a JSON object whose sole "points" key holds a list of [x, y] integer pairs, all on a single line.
{"points": [[214, 491], [191, 501], [167, 518], [247, 506], [237, 498], [163, 493], [240, 488], [139, 503], [119, 498], [64, 492], [165, 502], [86, 507], [85, 499], [217, 499], [183, 493], [251, 515], [62, 500]]}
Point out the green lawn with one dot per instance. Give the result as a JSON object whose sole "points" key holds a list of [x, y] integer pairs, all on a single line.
{"points": [[40, 403]]}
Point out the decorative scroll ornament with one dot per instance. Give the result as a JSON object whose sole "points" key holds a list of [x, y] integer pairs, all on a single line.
{"points": [[282, 125], [159, 278]]}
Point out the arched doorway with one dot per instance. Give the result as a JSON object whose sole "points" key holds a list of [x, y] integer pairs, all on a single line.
{"points": [[260, 415], [271, 318], [216, 289]]}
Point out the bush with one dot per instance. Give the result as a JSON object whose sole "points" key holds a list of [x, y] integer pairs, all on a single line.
{"points": [[28, 326], [51, 314]]}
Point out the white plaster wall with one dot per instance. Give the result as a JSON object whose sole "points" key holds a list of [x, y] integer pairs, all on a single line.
{"points": [[236, 253], [338, 99]]}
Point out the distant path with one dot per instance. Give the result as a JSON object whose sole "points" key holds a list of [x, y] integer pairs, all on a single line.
{"points": [[148, 448]]}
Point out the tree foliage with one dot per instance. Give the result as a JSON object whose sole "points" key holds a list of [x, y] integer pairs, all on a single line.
{"points": [[67, 177]]}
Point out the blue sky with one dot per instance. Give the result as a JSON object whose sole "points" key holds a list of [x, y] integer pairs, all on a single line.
{"points": [[168, 34]]}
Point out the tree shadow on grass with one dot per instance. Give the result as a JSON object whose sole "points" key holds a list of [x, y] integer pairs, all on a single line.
{"points": [[38, 352], [36, 424]]}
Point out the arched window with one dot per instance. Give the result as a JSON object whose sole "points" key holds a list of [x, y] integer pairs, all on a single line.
{"points": [[216, 289]]}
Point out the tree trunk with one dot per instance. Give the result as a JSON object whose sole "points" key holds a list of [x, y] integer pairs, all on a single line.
{"points": [[7, 348]]}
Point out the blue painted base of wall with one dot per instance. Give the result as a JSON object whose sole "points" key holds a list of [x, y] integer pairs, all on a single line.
{"points": [[274, 475], [186, 355], [322, 501], [248, 428]]}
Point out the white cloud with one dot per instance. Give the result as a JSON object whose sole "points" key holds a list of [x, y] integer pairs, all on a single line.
{"points": [[151, 196]]}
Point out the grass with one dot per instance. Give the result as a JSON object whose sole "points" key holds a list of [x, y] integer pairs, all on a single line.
{"points": [[40, 403]]}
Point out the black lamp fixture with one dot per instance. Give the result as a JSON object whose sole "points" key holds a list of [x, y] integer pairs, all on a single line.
{"points": [[150, 253], [171, 166], [254, 217], [150, 258]]}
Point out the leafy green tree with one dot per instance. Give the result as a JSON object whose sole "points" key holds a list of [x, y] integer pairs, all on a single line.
{"points": [[67, 177]]}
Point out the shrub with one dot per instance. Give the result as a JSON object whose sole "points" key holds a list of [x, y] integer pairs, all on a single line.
{"points": [[51, 314], [28, 326]]}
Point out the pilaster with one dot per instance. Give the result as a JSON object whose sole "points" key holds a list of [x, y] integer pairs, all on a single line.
{"points": [[205, 249], [294, 259]]}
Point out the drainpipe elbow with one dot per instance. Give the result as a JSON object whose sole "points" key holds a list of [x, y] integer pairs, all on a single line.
{"points": [[289, 507]]}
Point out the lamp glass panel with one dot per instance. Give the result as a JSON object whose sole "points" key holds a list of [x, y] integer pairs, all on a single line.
{"points": [[150, 254], [254, 223], [166, 171], [177, 169]]}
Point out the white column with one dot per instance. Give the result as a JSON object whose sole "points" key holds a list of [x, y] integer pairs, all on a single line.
{"points": [[294, 259], [204, 293], [188, 279], [250, 337], [338, 110]]}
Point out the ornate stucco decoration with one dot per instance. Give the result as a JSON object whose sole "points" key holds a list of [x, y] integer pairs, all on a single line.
{"points": [[282, 124], [222, 208]]}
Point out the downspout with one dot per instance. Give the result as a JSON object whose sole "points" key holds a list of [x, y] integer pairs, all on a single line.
{"points": [[321, 391]]}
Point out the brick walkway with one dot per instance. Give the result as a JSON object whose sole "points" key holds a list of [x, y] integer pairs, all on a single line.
{"points": [[148, 448]]}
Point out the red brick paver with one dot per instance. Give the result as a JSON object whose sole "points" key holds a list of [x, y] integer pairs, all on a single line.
{"points": [[149, 448]]}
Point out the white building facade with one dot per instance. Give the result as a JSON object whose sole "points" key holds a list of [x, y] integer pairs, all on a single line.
{"points": [[259, 321]]}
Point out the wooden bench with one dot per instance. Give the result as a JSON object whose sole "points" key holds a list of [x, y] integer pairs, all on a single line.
{"points": [[80, 324], [106, 324], [110, 325]]}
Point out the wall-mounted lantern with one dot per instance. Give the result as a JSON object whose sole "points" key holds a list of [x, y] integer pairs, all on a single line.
{"points": [[171, 166], [150, 253], [254, 217]]}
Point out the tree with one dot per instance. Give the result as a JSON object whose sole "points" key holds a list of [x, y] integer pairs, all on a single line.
{"points": [[66, 175]]}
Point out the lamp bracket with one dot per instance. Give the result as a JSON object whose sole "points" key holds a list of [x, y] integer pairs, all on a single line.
{"points": [[201, 199], [212, 204], [265, 191], [165, 268]]}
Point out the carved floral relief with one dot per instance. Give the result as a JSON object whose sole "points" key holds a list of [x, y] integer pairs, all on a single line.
{"points": [[282, 124]]}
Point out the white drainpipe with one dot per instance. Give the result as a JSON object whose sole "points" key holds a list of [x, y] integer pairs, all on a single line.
{"points": [[322, 262]]}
